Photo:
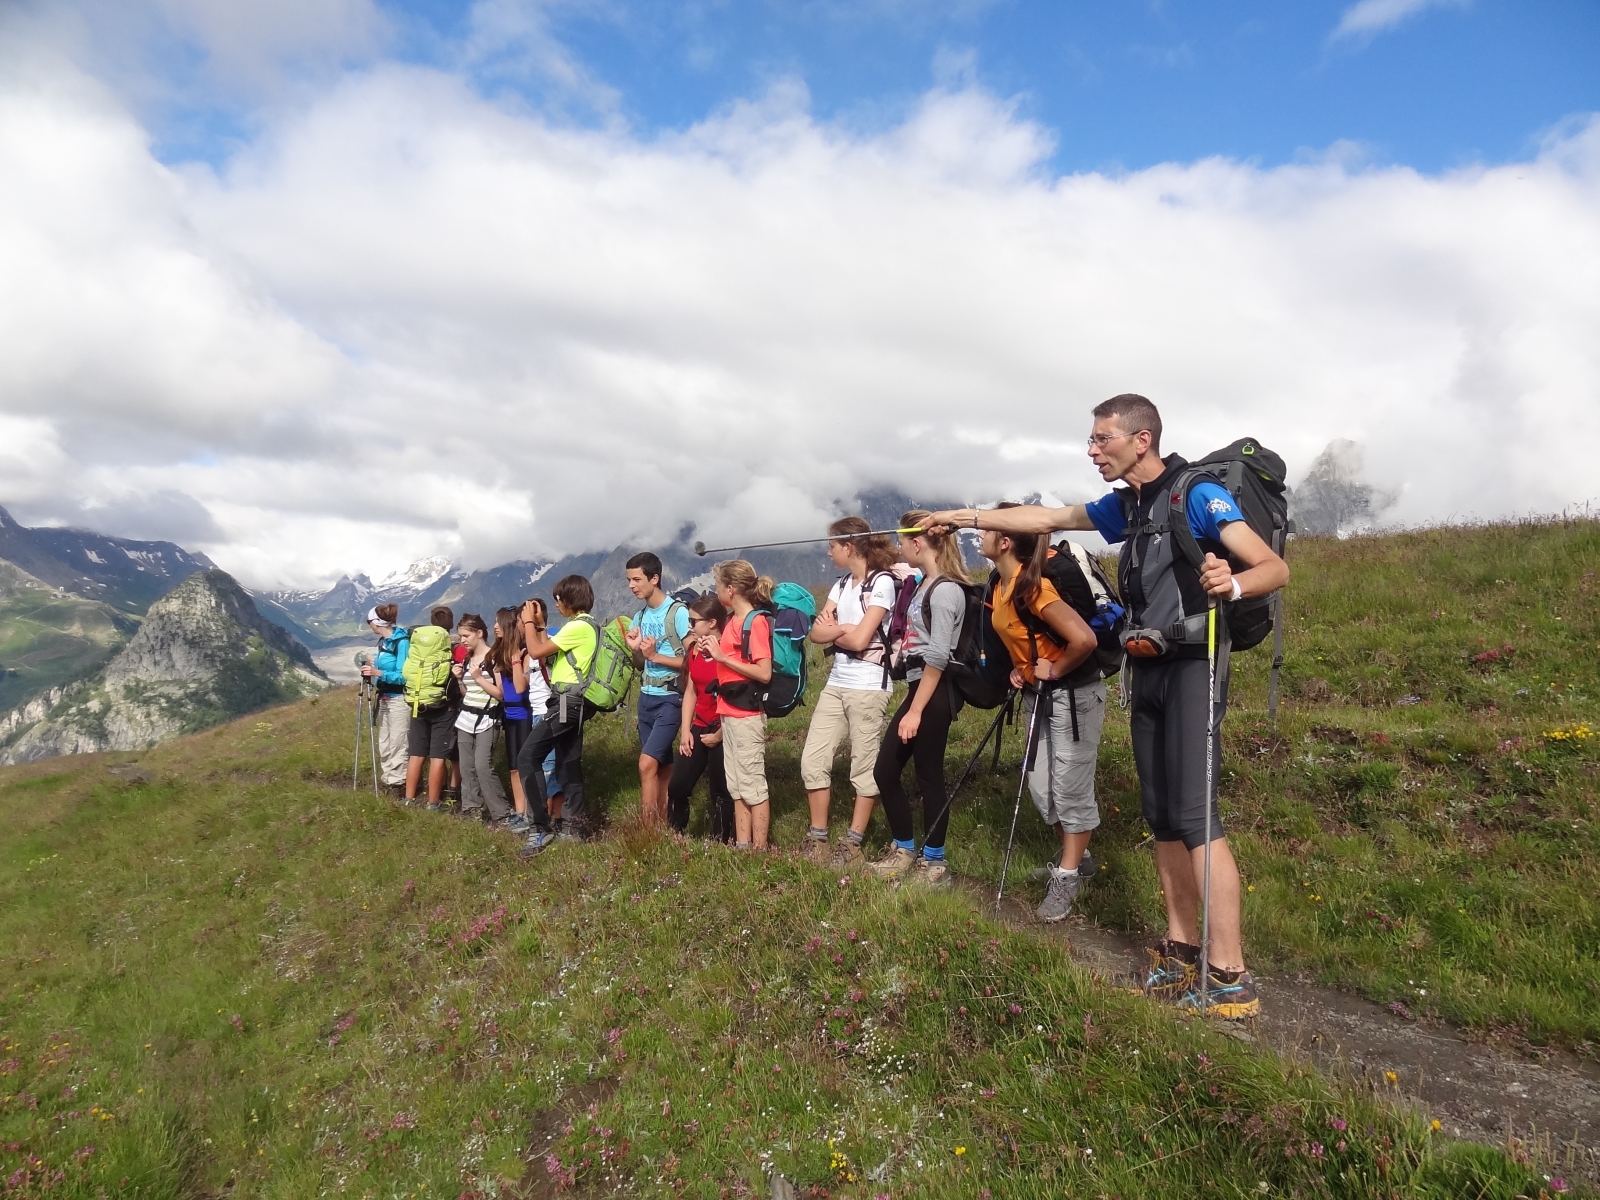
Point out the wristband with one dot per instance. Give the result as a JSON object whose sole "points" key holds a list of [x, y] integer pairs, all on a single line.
{"points": [[1237, 590]]}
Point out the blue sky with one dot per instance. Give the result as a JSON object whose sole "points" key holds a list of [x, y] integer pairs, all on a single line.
{"points": [[1121, 84]]}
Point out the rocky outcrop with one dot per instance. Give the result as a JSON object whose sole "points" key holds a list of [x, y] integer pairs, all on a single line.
{"points": [[203, 655]]}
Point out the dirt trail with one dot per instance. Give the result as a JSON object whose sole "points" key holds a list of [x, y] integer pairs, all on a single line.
{"points": [[1545, 1109]]}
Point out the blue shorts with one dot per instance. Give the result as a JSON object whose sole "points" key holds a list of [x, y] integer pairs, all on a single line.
{"points": [[659, 718]]}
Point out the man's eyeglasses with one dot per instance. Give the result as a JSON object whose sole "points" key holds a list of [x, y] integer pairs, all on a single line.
{"points": [[1102, 439]]}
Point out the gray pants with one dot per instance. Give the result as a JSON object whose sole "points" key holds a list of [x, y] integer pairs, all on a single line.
{"points": [[394, 727], [1062, 779], [480, 786]]}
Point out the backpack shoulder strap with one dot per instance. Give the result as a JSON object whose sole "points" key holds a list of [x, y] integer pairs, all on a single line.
{"points": [[673, 644], [1177, 510], [744, 631], [594, 659]]}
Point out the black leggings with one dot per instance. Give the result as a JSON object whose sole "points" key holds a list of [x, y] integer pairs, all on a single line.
{"points": [[566, 739], [928, 749], [686, 772]]}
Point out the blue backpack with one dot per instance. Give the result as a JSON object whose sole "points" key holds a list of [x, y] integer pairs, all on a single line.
{"points": [[792, 612]]}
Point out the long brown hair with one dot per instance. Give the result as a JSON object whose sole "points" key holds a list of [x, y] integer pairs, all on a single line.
{"points": [[1030, 549], [742, 578], [948, 559], [508, 647], [877, 549], [709, 608]]}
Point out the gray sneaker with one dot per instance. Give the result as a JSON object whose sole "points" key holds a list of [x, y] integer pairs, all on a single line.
{"points": [[930, 873], [894, 864], [1058, 900]]}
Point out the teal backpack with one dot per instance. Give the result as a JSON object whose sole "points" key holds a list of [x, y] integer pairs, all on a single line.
{"points": [[792, 612]]}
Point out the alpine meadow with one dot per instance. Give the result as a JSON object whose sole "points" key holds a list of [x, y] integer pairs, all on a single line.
{"points": [[228, 973]]}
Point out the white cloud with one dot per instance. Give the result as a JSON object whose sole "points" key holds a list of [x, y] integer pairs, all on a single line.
{"points": [[1368, 17], [406, 320]]}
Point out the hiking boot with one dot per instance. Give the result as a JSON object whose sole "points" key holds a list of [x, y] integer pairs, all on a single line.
{"points": [[930, 873], [847, 856], [893, 865], [1230, 995], [1169, 972], [816, 851], [435, 806], [517, 823], [1058, 899], [538, 840], [566, 833]]}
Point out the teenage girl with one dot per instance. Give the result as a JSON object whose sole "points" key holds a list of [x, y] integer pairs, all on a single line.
{"points": [[920, 727], [740, 681], [855, 700], [700, 730], [538, 672], [1068, 738], [478, 725], [510, 661]]}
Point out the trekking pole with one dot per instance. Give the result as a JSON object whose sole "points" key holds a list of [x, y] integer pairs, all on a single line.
{"points": [[372, 732], [700, 547], [1211, 734], [1022, 783], [1008, 713]]}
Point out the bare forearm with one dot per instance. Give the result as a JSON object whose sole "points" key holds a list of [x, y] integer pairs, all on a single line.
{"points": [[926, 687]]}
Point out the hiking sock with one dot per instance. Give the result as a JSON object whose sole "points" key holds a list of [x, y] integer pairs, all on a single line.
{"points": [[854, 838], [909, 845], [817, 835], [1064, 872], [1182, 950], [936, 853], [743, 845]]}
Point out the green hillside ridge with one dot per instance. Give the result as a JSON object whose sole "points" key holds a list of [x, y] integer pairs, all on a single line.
{"points": [[258, 981], [49, 637]]}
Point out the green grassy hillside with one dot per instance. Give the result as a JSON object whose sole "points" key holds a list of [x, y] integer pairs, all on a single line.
{"points": [[231, 974], [49, 638]]}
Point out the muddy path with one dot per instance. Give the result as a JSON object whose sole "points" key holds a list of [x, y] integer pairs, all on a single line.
{"points": [[1544, 1110]]}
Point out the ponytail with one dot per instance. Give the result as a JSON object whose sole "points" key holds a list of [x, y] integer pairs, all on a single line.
{"points": [[877, 549], [742, 578], [1029, 549], [948, 559]]}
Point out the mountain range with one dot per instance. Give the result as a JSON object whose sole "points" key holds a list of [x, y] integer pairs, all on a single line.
{"points": [[202, 655], [337, 616], [69, 598]]}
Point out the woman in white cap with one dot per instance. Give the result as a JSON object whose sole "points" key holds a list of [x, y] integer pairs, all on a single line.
{"points": [[394, 718]]}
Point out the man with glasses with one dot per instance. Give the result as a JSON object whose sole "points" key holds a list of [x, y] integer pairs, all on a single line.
{"points": [[1171, 696]]}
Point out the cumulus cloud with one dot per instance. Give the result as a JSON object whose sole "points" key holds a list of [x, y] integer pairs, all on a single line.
{"points": [[1368, 17], [408, 320]]}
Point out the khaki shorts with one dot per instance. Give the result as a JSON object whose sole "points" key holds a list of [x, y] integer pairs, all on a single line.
{"points": [[840, 713], [744, 757]]}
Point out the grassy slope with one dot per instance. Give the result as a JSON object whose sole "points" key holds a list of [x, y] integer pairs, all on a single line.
{"points": [[1442, 855], [378, 1042], [240, 972], [45, 641]]}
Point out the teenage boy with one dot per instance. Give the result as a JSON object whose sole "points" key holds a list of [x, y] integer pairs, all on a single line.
{"points": [[1170, 699], [427, 676], [560, 727], [655, 635]]}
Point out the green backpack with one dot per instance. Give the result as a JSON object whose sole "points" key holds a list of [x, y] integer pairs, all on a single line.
{"points": [[605, 682], [427, 667]]}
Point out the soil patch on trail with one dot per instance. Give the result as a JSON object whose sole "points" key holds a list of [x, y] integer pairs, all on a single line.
{"points": [[1544, 1110]]}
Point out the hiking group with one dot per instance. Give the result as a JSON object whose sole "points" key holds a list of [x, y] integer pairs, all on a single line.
{"points": [[1198, 571]]}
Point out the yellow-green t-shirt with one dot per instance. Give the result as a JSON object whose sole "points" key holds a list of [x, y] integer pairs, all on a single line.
{"points": [[580, 638]]}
